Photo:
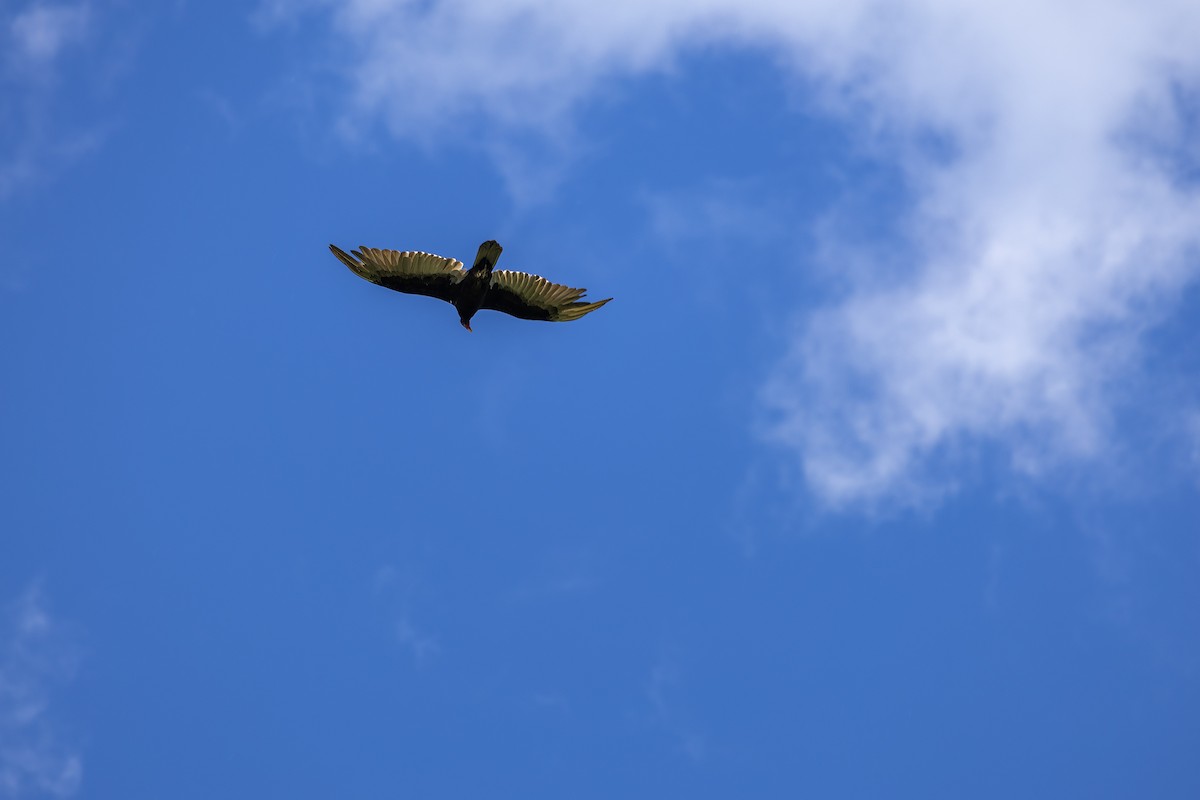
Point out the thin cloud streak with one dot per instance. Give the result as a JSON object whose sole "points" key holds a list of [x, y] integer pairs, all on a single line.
{"points": [[664, 680], [1040, 143], [34, 760], [34, 42], [1192, 434]]}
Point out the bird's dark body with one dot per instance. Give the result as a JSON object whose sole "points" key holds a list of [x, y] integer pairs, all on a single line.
{"points": [[518, 294], [471, 291], [476, 284]]}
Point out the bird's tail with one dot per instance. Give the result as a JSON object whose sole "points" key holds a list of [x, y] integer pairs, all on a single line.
{"points": [[489, 251]]}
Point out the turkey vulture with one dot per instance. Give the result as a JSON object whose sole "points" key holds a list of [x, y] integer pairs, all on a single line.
{"points": [[517, 293]]}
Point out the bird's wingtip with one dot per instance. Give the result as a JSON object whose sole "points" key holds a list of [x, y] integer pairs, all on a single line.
{"points": [[350, 261]]}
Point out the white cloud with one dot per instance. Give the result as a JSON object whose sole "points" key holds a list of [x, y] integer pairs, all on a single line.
{"points": [[33, 43], [1046, 228], [34, 762], [42, 30], [1041, 252]]}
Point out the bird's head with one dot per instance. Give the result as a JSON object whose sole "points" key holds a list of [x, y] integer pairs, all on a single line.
{"points": [[466, 323]]}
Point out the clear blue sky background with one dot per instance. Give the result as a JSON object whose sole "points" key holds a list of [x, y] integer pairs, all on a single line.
{"points": [[880, 476]]}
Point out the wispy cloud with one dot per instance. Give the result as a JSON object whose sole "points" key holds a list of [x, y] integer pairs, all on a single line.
{"points": [[40, 32], [1050, 221], [1192, 436], [666, 714], [422, 646], [34, 759], [35, 42], [396, 590]]}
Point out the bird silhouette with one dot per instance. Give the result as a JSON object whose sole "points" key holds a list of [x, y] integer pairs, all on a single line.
{"points": [[482, 286]]}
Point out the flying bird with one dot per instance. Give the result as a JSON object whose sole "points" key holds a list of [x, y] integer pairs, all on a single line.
{"points": [[517, 293]]}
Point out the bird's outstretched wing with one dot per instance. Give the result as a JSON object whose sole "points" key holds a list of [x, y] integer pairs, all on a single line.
{"points": [[531, 297], [413, 272]]}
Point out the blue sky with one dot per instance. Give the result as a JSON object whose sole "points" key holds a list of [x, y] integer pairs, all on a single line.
{"points": [[879, 477]]}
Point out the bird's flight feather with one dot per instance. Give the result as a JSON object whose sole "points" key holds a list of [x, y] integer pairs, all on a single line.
{"points": [[412, 271], [533, 297]]}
